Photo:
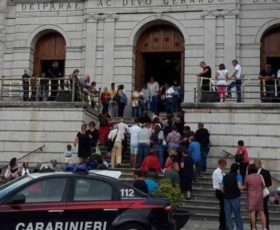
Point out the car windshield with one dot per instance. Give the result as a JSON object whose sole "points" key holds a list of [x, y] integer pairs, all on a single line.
{"points": [[10, 186]]}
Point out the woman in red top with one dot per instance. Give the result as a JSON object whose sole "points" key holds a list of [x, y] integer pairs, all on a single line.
{"points": [[241, 149], [151, 163], [105, 98]]}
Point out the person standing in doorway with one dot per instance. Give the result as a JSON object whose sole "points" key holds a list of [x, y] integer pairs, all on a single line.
{"points": [[217, 179], [206, 74], [232, 186], [237, 77], [169, 98], [25, 85], [54, 73], [202, 135], [135, 103], [268, 76], [153, 88], [268, 183]]}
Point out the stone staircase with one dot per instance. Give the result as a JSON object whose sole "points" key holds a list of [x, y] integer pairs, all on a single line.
{"points": [[203, 204]]}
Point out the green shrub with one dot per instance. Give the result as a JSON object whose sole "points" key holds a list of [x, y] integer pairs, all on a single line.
{"points": [[173, 195]]}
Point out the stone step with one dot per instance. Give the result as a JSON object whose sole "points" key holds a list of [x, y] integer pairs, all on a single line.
{"points": [[206, 210], [215, 204]]}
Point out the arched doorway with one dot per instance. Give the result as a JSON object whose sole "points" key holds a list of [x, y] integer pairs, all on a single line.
{"points": [[160, 53], [270, 48], [49, 47]]}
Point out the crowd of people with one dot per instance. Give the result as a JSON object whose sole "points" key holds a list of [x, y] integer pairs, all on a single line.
{"points": [[164, 147], [223, 82], [228, 189], [52, 86]]}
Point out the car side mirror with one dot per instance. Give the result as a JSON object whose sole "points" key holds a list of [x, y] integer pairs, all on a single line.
{"points": [[18, 199]]}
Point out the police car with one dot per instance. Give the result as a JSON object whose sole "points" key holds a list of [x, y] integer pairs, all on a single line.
{"points": [[72, 201]]}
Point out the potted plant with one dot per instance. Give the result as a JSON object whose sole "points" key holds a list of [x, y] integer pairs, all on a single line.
{"points": [[176, 198]]}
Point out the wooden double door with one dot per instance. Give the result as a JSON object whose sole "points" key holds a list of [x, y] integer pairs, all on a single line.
{"points": [[160, 54], [270, 48], [49, 48]]}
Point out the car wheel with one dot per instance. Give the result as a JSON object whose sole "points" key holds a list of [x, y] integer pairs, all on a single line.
{"points": [[132, 226]]}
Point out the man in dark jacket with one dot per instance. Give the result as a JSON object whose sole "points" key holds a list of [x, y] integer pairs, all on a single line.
{"points": [[25, 85], [203, 137], [268, 183], [232, 184]]}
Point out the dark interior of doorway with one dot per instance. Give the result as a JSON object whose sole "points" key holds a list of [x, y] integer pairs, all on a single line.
{"points": [[163, 66], [46, 64], [274, 62]]}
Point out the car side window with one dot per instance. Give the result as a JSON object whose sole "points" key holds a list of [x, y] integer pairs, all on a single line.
{"points": [[90, 189], [48, 190]]}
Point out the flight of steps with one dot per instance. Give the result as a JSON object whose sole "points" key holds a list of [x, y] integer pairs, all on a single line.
{"points": [[204, 205]]}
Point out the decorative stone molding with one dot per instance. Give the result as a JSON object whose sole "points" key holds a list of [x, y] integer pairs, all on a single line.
{"points": [[217, 13], [102, 17]]}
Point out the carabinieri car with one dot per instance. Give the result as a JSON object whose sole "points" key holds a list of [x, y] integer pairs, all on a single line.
{"points": [[75, 201]]}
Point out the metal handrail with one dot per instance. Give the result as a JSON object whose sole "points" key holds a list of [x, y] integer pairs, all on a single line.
{"points": [[34, 151], [247, 87], [43, 89]]}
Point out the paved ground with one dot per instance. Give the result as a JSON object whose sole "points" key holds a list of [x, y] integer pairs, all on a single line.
{"points": [[211, 225]]}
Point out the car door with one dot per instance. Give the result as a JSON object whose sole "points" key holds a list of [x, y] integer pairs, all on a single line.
{"points": [[94, 204], [38, 205]]}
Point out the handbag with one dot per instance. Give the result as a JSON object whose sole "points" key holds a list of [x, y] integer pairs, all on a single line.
{"points": [[239, 158], [265, 190], [111, 143]]}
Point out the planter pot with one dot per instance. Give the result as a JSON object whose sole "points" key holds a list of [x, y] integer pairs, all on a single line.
{"points": [[181, 217]]}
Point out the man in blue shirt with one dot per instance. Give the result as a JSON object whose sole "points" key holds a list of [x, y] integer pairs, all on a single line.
{"points": [[194, 150]]}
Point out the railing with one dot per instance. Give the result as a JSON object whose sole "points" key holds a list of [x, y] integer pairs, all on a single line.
{"points": [[26, 155], [251, 90], [46, 89]]}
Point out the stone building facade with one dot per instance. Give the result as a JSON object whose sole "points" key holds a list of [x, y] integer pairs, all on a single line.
{"points": [[102, 37]]}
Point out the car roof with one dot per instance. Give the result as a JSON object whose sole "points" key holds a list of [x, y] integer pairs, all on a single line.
{"points": [[38, 175]]}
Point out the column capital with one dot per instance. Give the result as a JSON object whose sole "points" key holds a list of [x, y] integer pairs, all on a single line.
{"points": [[111, 17], [209, 14]]}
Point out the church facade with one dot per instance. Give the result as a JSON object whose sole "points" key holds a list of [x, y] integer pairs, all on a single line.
{"points": [[127, 41]]}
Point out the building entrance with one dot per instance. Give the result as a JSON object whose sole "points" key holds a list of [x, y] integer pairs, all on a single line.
{"points": [[163, 66], [49, 48], [160, 53]]}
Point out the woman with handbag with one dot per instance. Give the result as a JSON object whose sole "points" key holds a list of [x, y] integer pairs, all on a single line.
{"points": [[242, 157], [255, 192]]}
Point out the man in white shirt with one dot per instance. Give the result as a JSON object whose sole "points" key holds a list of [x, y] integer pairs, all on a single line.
{"points": [[144, 143], [237, 76], [217, 179], [169, 98], [134, 136], [153, 88], [116, 153], [123, 128]]}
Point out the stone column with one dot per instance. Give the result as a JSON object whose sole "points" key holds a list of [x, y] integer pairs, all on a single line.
{"points": [[210, 40], [91, 37], [109, 44], [3, 5], [230, 40]]}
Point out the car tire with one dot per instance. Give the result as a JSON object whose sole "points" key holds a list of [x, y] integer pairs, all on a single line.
{"points": [[132, 226]]}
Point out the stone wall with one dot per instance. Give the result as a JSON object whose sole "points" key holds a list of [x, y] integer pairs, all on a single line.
{"points": [[257, 125], [26, 127], [101, 35]]}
